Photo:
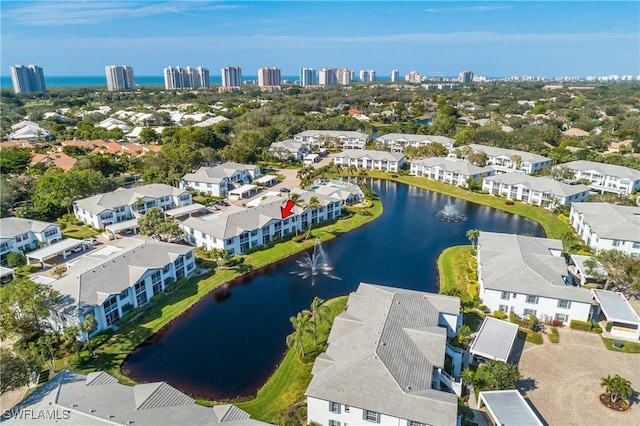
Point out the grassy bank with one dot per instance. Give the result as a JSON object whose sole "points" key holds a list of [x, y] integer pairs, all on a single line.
{"points": [[553, 226], [110, 356], [456, 269], [287, 384]]}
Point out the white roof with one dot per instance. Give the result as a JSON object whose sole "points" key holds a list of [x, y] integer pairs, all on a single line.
{"points": [[243, 189], [539, 183], [616, 307], [55, 248], [611, 221], [495, 339], [604, 169], [11, 227], [492, 151], [509, 408], [373, 155], [266, 178], [185, 209]]}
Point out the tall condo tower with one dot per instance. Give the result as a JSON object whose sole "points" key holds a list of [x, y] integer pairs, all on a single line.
{"points": [[27, 78], [367, 76], [268, 77], [119, 77], [395, 75], [186, 78], [231, 76], [345, 76], [308, 77], [328, 76], [465, 76]]}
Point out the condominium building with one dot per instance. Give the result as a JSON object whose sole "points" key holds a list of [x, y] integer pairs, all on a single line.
{"points": [[367, 76], [328, 76], [231, 76], [413, 77], [505, 160], [119, 77], [345, 139], [606, 177], [465, 77], [370, 160], [27, 79], [23, 235], [449, 170], [395, 75], [344, 76], [269, 77], [308, 77], [186, 78], [218, 180]]}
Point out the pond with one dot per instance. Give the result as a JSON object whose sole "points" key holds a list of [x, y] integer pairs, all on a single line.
{"points": [[229, 343]]}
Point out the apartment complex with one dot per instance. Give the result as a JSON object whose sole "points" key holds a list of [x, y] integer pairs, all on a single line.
{"points": [[385, 363], [606, 177], [27, 78], [269, 77], [367, 76], [465, 77], [528, 276], [23, 235], [119, 77], [334, 76], [124, 204], [218, 180], [449, 170], [395, 75], [308, 77], [605, 226], [345, 139], [397, 142], [186, 78], [506, 160], [370, 160], [231, 77]]}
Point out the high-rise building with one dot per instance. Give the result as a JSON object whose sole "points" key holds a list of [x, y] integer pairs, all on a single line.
{"points": [[268, 77], [328, 76], [119, 77], [345, 76], [308, 77], [465, 76], [231, 77], [367, 76], [186, 78], [413, 77], [27, 79], [395, 75]]}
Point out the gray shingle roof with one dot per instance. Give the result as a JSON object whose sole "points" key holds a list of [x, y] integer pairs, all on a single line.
{"points": [[289, 144], [611, 221], [493, 151], [11, 227], [542, 184], [525, 265], [126, 196], [382, 352], [332, 133], [373, 155], [218, 173], [92, 278], [604, 169], [111, 403], [415, 138], [453, 165]]}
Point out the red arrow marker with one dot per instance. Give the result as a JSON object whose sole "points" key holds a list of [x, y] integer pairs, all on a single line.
{"points": [[286, 210]]}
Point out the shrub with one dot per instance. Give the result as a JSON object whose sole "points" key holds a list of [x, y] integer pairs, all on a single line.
{"points": [[298, 238], [483, 308], [581, 325], [554, 337], [597, 329], [157, 297], [76, 361], [62, 225], [534, 337], [556, 323], [608, 326], [509, 202], [499, 314]]}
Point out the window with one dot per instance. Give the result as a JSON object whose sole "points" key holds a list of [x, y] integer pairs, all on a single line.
{"points": [[616, 243], [504, 295], [254, 233], [412, 423], [565, 304], [562, 317], [189, 255], [370, 416], [334, 407], [532, 299], [529, 312], [141, 293], [503, 308], [111, 312], [334, 423], [636, 245], [156, 282], [124, 294], [513, 295], [50, 232], [347, 409]]}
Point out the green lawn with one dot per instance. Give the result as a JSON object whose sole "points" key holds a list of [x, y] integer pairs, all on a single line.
{"points": [[79, 232], [111, 355], [553, 225], [287, 384], [627, 347], [454, 269]]}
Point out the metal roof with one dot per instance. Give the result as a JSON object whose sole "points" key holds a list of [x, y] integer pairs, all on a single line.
{"points": [[495, 339], [54, 249], [616, 307], [509, 408]]}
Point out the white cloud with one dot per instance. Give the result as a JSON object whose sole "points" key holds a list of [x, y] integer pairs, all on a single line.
{"points": [[56, 13]]}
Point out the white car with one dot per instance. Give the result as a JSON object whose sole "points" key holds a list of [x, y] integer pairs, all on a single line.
{"points": [[90, 241]]}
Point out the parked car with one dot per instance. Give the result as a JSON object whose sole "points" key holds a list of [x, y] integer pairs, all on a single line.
{"points": [[77, 249], [90, 241], [285, 190]]}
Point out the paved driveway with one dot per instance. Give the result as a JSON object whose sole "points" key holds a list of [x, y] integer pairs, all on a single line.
{"points": [[563, 380]]}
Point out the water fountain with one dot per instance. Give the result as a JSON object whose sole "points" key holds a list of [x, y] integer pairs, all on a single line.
{"points": [[450, 214], [314, 264]]}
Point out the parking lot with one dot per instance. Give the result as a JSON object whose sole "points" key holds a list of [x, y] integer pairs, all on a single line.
{"points": [[563, 380]]}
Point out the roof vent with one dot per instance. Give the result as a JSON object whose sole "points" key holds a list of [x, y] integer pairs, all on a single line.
{"points": [[74, 405], [111, 416], [92, 410]]}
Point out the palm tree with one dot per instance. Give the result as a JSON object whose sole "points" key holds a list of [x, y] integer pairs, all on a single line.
{"points": [[89, 325], [568, 238], [317, 312], [517, 161], [362, 175], [616, 387], [467, 377], [301, 326], [70, 338], [472, 236], [314, 203], [297, 201]]}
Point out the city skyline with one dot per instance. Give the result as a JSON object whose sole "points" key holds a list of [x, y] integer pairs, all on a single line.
{"points": [[435, 38]]}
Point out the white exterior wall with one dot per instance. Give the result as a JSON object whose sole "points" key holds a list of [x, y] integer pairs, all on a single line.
{"points": [[442, 175], [586, 234], [99, 312], [546, 308], [626, 185], [215, 189], [318, 411], [526, 195], [30, 240], [366, 163], [504, 164]]}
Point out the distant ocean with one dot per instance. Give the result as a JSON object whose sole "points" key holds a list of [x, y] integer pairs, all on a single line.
{"points": [[145, 80]]}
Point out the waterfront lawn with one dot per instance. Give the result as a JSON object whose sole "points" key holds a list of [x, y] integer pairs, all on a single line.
{"points": [[457, 273], [287, 384], [553, 225], [110, 356]]}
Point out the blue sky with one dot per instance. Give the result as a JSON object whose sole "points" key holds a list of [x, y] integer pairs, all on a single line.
{"points": [[491, 38]]}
